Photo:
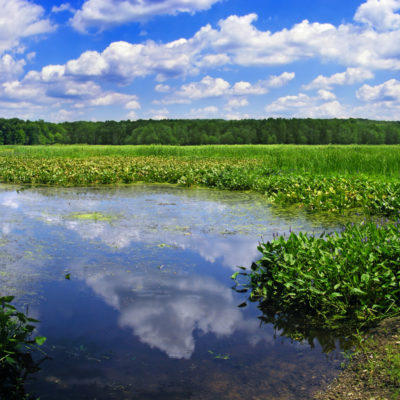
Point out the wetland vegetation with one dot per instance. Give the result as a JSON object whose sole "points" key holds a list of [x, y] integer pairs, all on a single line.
{"points": [[338, 282], [16, 347], [303, 284], [333, 178]]}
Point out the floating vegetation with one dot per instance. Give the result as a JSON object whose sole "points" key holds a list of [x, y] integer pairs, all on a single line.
{"points": [[95, 216], [335, 282], [163, 245]]}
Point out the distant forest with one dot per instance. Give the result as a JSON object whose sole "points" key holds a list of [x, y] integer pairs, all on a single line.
{"points": [[204, 131]]}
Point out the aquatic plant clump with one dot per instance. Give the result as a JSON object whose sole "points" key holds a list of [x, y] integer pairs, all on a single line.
{"points": [[349, 276], [16, 346]]}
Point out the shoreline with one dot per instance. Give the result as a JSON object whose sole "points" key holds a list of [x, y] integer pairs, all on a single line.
{"points": [[373, 371]]}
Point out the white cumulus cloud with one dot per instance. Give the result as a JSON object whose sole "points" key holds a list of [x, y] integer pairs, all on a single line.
{"points": [[20, 19], [10, 68], [379, 14], [205, 112], [280, 80], [368, 44], [130, 102], [349, 77], [207, 87], [102, 14], [210, 87], [51, 88], [162, 88], [236, 116], [326, 95], [346, 44], [62, 115], [158, 114], [63, 7], [388, 91], [237, 41], [236, 103], [324, 105], [123, 61]]}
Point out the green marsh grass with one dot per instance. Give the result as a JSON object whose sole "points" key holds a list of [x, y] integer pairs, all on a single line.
{"points": [[326, 160]]}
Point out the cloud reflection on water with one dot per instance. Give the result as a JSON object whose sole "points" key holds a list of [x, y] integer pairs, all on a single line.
{"points": [[164, 311], [227, 232]]}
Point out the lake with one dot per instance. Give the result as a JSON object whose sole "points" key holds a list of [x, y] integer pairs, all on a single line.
{"points": [[132, 289]]}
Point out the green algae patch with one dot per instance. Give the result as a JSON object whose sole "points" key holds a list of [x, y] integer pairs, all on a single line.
{"points": [[163, 245], [95, 216]]}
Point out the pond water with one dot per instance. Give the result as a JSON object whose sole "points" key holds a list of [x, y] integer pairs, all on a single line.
{"points": [[132, 287]]}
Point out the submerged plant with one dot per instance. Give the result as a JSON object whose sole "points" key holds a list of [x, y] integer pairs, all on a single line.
{"points": [[16, 347], [219, 356], [332, 282]]}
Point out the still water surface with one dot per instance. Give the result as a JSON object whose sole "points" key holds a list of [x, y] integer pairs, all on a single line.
{"points": [[148, 311]]}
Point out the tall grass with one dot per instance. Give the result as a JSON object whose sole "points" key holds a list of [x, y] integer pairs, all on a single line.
{"points": [[327, 160]]}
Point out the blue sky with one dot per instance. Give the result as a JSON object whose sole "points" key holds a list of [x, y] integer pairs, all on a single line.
{"points": [[232, 59]]}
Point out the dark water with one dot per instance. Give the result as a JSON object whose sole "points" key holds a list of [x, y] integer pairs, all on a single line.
{"points": [[148, 311]]}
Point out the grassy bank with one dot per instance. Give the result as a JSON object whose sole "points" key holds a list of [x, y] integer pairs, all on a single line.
{"points": [[332, 178], [373, 371]]}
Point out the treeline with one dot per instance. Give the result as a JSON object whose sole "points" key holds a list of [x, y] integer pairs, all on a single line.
{"points": [[196, 132]]}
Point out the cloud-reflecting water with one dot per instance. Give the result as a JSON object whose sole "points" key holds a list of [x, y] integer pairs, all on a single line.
{"points": [[149, 270]]}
